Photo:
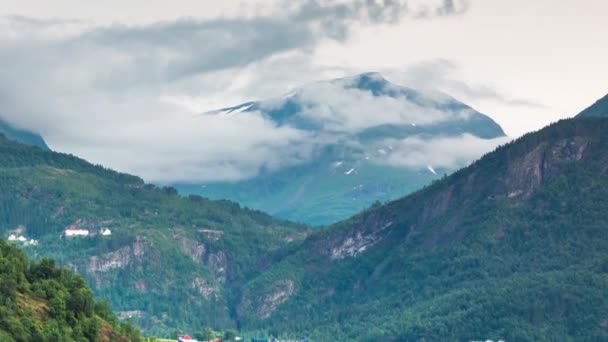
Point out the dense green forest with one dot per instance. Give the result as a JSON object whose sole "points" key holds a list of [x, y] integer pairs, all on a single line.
{"points": [[598, 110], [42, 302], [513, 247], [169, 263]]}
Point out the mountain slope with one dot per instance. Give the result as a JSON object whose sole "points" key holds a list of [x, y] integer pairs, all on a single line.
{"points": [[513, 247], [41, 302], [150, 252], [598, 109], [374, 141], [24, 137]]}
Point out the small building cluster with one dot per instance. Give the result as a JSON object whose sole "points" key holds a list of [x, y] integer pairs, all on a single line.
{"points": [[72, 232], [22, 239], [88, 227], [82, 232]]}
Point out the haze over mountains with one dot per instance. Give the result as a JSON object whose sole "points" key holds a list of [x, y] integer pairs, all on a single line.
{"points": [[22, 136], [365, 140], [231, 168], [511, 247]]}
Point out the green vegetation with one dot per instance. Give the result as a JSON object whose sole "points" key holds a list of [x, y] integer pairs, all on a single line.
{"points": [[319, 193], [41, 302], [598, 110], [169, 263], [513, 247]]}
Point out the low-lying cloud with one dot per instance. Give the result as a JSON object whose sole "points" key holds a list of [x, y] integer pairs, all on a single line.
{"points": [[448, 152], [122, 95], [340, 107]]}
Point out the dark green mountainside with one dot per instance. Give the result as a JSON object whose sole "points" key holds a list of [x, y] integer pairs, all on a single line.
{"points": [[598, 109], [514, 247], [41, 302], [24, 137], [164, 261]]}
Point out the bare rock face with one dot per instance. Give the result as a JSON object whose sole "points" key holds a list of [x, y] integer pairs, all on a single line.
{"points": [[354, 245], [206, 289], [193, 249], [436, 208], [218, 263], [119, 258], [567, 150], [138, 248], [283, 290], [358, 240], [525, 176], [262, 304]]}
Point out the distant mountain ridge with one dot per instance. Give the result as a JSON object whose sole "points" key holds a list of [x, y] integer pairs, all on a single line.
{"points": [[288, 110], [368, 123], [513, 248], [22, 136]]}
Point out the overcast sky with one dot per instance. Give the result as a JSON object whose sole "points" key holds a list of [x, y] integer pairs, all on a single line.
{"points": [[95, 77]]}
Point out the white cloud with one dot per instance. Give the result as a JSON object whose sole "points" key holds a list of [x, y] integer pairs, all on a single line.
{"points": [[129, 96], [439, 152], [338, 106], [201, 148]]}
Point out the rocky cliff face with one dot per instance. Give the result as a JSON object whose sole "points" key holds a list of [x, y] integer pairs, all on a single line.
{"points": [[265, 303], [120, 258], [382, 246]]}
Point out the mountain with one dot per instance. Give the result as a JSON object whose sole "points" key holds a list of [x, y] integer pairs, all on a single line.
{"points": [[375, 142], [513, 247], [165, 261], [598, 109], [22, 136], [41, 302]]}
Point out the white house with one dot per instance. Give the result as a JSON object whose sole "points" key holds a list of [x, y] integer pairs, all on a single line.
{"points": [[106, 232], [76, 232], [22, 239]]}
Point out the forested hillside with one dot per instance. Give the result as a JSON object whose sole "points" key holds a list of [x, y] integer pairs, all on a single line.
{"points": [[598, 109], [41, 302], [164, 261], [514, 247]]}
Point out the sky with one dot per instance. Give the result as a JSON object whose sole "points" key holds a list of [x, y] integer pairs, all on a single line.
{"points": [[122, 83]]}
